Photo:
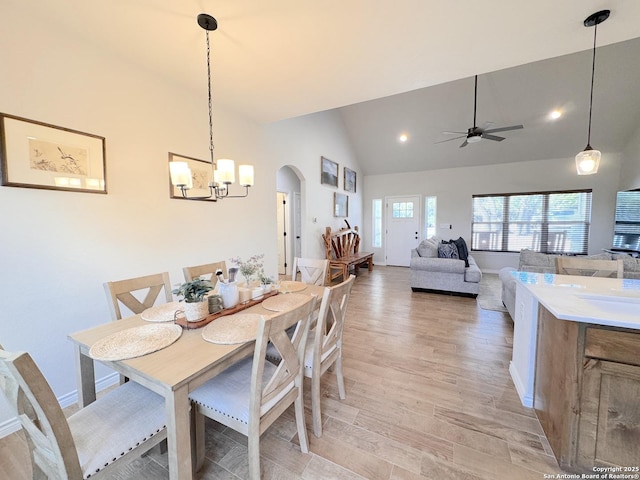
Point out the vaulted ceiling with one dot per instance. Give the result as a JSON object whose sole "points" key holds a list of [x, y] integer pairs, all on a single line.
{"points": [[410, 61]]}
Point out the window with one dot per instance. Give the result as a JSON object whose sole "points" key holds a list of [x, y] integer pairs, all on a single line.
{"points": [[626, 234], [376, 208], [549, 222], [429, 216], [402, 210]]}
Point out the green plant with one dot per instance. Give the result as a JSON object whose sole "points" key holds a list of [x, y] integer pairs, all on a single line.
{"points": [[264, 280], [194, 291]]}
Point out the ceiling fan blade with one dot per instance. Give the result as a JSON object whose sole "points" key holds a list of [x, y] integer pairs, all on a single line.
{"points": [[492, 137], [450, 139], [504, 129], [454, 133], [464, 144]]}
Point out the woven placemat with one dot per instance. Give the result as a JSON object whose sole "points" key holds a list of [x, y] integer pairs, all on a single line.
{"points": [[289, 286], [135, 342], [281, 303], [161, 313], [232, 329]]}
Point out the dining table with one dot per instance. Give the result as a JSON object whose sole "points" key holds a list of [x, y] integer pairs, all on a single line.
{"points": [[172, 372]]}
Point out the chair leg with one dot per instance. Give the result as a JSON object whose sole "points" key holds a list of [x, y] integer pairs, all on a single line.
{"points": [[315, 404], [253, 442], [301, 424], [338, 367]]}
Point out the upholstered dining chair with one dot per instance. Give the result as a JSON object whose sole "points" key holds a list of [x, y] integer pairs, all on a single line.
{"points": [[588, 267], [208, 269], [92, 443], [324, 345], [121, 292], [312, 271], [250, 395]]}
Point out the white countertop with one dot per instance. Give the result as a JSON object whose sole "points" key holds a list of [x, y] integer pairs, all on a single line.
{"points": [[604, 301]]}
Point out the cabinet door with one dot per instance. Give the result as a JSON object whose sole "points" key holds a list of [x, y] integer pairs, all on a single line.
{"points": [[610, 414]]}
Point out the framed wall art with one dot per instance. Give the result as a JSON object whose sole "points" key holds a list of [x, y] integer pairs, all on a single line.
{"points": [[349, 180], [39, 155], [201, 175], [340, 205], [329, 172]]}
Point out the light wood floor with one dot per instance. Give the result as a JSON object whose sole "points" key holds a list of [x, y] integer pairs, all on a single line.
{"points": [[429, 396]]}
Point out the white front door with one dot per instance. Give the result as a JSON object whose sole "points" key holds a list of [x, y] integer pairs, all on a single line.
{"points": [[403, 228]]}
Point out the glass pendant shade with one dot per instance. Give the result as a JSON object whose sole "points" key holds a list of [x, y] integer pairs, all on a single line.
{"points": [[588, 161], [245, 172], [180, 174], [226, 170]]}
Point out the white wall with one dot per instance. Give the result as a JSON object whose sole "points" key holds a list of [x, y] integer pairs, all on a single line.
{"points": [[299, 143], [454, 188], [630, 171], [58, 248]]}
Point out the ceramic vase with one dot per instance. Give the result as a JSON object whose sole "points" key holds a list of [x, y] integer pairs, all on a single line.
{"points": [[229, 293]]}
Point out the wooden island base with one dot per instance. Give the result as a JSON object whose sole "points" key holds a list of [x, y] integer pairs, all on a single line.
{"points": [[587, 393]]}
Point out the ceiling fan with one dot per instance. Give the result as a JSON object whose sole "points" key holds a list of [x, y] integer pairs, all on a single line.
{"points": [[475, 133]]}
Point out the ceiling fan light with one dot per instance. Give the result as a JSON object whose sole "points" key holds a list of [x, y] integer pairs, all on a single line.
{"points": [[474, 139], [588, 161]]}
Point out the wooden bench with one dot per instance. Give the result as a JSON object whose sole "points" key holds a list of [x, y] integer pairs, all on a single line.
{"points": [[342, 251]]}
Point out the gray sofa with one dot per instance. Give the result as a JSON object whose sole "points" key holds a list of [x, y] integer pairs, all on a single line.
{"points": [[537, 262], [450, 275]]}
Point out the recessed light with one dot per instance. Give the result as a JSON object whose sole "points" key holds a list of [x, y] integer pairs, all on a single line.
{"points": [[555, 114], [403, 137]]}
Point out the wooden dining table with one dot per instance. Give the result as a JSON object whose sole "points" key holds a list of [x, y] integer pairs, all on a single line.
{"points": [[172, 372]]}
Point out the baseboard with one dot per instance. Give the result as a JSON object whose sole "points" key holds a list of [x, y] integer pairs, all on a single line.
{"points": [[527, 400], [13, 424]]}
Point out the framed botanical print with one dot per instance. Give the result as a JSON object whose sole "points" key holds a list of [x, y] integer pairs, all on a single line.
{"points": [[340, 205], [201, 175], [329, 172], [349, 180], [40, 155]]}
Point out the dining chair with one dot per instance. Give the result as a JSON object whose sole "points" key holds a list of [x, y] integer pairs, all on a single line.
{"points": [[208, 269], [324, 345], [588, 267], [92, 443], [121, 292], [312, 271], [250, 395]]}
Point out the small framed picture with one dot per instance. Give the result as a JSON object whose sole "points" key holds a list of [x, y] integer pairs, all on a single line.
{"points": [[201, 175], [38, 155], [349, 180], [329, 172], [340, 205]]}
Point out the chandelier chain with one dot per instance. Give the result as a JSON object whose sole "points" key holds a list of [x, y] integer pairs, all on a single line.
{"points": [[210, 104]]}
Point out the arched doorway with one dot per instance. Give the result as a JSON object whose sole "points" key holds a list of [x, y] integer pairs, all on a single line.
{"points": [[289, 217]]}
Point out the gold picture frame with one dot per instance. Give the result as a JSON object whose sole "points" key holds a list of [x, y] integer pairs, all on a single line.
{"points": [[40, 155]]}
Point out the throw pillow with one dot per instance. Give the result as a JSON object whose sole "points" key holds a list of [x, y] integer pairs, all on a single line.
{"points": [[463, 252], [428, 248], [447, 250]]}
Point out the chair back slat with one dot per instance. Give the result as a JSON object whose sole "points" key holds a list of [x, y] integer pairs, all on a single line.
{"points": [[289, 374], [121, 293], [51, 445], [208, 270], [588, 267], [313, 271], [330, 326]]}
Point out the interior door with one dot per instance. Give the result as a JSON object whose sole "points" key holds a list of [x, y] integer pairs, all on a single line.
{"points": [[297, 224], [283, 226], [403, 228]]}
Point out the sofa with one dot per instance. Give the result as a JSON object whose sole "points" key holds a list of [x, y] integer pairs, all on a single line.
{"points": [[537, 262], [434, 273]]}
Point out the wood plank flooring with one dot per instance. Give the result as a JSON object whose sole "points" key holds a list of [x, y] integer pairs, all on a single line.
{"points": [[429, 396]]}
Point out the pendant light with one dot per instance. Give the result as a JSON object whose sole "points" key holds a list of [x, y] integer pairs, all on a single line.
{"points": [[222, 171], [588, 160]]}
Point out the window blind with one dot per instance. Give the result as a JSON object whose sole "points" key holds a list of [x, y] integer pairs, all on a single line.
{"points": [[626, 234]]}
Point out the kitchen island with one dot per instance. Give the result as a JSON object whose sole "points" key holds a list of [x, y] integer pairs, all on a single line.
{"points": [[576, 361]]}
